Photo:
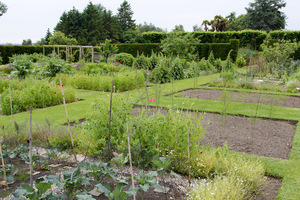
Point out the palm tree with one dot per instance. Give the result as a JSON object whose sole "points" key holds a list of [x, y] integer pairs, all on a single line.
{"points": [[205, 23]]}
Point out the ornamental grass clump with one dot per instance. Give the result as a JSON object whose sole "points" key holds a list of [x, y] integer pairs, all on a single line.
{"points": [[221, 187]]}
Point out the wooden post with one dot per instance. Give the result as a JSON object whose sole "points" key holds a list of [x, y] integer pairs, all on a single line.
{"points": [[3, 165], [131, 171], [92, 54], [53, 50], [58, 51], [64, 101], [188, 141], [30, 145], [109, 122], [66, 53], [12, 119], [43, 50], [80, 53]]}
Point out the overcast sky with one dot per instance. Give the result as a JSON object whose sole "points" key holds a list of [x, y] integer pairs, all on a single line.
{"points": [[30, 19]]}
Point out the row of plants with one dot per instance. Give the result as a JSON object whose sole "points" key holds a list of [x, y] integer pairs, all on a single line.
{"points": [[122, 81], [31, 92]]}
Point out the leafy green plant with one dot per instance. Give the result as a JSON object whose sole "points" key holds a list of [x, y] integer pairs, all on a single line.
{"points": [[54, 66], [146, 181], [181, 45], [125, 58], [117, 193], [22, 65], [30, 193], [99, 170], [161, 73], [120, 160], [107, 49], [177, 69], [142, 62]]}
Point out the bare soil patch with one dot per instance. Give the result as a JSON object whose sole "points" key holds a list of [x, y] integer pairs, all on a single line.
{"points": [[271, 138], [268, 99]]}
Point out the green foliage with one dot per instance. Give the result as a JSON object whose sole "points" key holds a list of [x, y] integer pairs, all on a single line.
{"points": [[7, 51], [35, 93], [265, 15], [161, 73], [123, 81], [3, 8], [154, 37], [107, 50], [120, 160], [30, 193], [177, 69], [221, 187], [124, 15], [228, 65], [177, 44], [22, 65], [240, 61], [125, 59], [148, 28], [117, 193], [54, 66], [94, 132], [280, 51], [142, 62], [60, 38]]}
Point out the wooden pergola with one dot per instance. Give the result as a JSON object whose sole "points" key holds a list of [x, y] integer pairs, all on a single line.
{"points": [[69, 50]]}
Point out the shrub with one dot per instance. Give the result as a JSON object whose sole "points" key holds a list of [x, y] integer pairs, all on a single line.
{"points": [[161, 73], [177, 69], [154, 59], [125, 58], [142, 62], [241, 61], [93, 133]]}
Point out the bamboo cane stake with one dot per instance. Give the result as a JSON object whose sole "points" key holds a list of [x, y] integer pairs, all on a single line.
{"points": [[3, 165], [64, 101], [188, 140], [109, 122], [30, 145], [12, 119], [131, 171]]}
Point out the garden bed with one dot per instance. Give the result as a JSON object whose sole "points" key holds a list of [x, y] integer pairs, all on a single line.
{"points": [[271, 138], [268, 99]]}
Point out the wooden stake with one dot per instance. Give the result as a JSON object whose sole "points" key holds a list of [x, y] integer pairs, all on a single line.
{"points": [[131, 171], [64, 101], [109, 122], [188, 141], [30, 145], [12, 119], [3, 165]]}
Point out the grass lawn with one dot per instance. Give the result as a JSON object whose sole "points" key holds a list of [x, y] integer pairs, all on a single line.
{"points": [[289, 170]]}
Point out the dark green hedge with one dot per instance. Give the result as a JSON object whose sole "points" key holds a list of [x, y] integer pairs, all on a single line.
{"points": [[154, 37], [7, 51], [248, 38], [286, 35], [220, 50], [138, 48]]}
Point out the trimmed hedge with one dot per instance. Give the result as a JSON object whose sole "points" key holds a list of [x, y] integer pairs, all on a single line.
{"points": [[249, 38], [154, 37], [7, 51], [139, 48]]}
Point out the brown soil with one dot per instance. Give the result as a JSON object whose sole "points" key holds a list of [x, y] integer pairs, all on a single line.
{"points": [[275, 100], [269, 189], [270, 138]]}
